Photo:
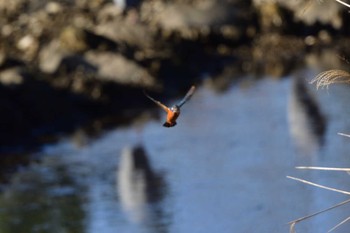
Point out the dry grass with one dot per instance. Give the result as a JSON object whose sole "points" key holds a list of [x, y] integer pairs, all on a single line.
{"points": [[343, 134], [325, 168], [294, 222], [345, 4], [326, 78]]}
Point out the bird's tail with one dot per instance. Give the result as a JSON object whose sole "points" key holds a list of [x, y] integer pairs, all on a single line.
{"points": [[167, 124]]}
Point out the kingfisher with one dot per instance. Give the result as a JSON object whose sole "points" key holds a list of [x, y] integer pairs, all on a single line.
{"points": [[173, 112]]}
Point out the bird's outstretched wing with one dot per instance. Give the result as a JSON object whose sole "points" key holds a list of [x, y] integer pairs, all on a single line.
{"points": [[165, 108], [187, 96]]}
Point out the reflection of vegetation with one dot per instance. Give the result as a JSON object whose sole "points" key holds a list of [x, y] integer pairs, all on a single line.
{"points": [[141, 189], [41, 201]]}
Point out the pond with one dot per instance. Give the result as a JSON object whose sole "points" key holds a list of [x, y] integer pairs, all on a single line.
{"points": [[222, 169]]}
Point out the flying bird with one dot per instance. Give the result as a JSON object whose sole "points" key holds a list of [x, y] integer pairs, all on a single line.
{"points": [[173, 112]]}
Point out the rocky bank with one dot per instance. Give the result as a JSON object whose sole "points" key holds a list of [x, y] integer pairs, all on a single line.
{"points": [[66, 63]]}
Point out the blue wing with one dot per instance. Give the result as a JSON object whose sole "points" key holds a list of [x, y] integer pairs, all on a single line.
{"points": [[165, 108], [187, 96]]}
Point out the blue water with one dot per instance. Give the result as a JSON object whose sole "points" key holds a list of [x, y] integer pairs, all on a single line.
{"points": [[222, 169]]}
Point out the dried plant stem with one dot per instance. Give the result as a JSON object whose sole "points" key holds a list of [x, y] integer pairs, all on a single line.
{"points": [[343, 3], [324, 168], [343, 134], [319, 212], [292, 227], [292, 223], [318, 185], [339, 224]]}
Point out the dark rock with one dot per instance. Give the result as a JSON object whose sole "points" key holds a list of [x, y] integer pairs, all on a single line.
{"points": [[82, 59], [73, 39], [194, 18], [127, 29], [114, 67], [327, 12], [276, 55], [51, 56], [11, 76], [12, 8]]}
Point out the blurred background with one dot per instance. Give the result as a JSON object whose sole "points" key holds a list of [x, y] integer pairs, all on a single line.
{"points": [[83, 150]]}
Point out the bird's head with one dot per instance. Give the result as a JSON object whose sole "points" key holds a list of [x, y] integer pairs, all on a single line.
{"points": [[175, 109]]}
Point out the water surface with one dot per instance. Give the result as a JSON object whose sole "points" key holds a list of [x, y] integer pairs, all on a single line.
{"points": [[223, 168]]}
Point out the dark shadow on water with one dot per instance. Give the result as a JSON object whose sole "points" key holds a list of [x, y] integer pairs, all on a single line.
{"points": [[42, 199], [306, 121]]}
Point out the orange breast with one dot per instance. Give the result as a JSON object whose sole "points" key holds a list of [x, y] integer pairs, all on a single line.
{"points": [[172, 116]]}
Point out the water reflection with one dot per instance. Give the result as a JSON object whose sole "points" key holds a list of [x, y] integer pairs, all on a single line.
{"points": [[139, 187], [42, 199], [223, 173], [306, 121]]}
